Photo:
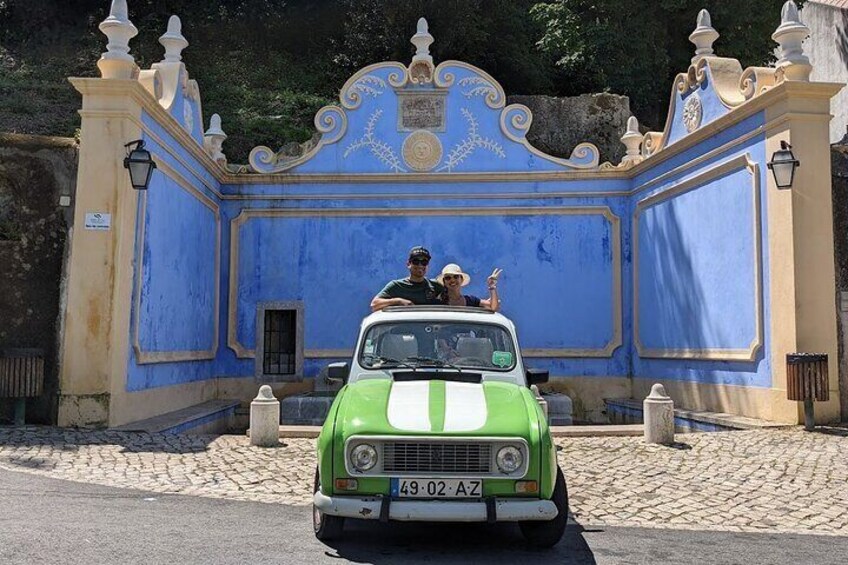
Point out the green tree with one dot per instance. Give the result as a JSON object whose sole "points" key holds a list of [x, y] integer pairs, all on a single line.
{"points": [[497, 35], [636, 48]]}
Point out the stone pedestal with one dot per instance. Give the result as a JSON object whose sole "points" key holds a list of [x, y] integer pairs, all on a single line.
{"points": [[265, 418], [560, 409], [659, 416]]}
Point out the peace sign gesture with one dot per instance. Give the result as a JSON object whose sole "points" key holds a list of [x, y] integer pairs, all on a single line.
{"points": [[492, 281]]}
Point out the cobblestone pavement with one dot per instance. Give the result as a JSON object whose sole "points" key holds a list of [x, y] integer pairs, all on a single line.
{"points": [[774, 480]]}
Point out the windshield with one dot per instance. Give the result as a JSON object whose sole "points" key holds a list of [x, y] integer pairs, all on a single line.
{"points": [[461, 345]]}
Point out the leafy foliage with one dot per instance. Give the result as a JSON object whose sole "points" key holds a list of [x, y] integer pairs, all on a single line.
{"points": [[636, 48], [268, 65]]}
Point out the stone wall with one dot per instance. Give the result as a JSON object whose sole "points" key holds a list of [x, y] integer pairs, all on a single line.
{"points": [[559, 124], [839, 168], [35, 172], [827, 48]]}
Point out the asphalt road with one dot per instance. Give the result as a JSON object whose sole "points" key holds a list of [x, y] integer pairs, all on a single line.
{"points": [[50, 521]]}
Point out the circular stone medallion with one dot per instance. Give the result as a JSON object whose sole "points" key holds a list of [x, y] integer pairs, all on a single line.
{"points": [[692, 113], [422, 150]]}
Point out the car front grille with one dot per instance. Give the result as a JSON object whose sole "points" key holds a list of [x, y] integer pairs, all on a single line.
{"points": [[415, 457]]}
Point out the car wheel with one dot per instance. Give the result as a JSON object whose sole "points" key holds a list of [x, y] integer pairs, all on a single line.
{"points": [[547, 534], [326, 527]]}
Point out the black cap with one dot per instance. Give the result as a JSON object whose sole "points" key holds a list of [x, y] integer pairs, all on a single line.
{"points": [[419, 251]]}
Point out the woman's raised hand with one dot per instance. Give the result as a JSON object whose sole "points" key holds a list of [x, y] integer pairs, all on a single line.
{"points": [[492, 281]]}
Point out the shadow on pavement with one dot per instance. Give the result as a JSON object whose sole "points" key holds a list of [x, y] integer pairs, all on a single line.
{"points": [[680, 446], [406, 542], [839, 431], [71, 439]]}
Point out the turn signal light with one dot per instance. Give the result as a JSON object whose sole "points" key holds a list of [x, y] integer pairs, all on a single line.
{"points": [[347, 484], [526, 486]]}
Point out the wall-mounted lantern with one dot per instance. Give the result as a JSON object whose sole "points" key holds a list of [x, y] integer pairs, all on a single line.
{"points": [[139, 163], [783, 164]]}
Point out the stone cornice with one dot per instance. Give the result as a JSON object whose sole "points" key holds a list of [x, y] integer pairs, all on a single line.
{"points": [[137, 92], [784, 90]]}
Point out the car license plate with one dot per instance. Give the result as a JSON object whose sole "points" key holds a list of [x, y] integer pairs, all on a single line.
{"points": [[437, 488]]}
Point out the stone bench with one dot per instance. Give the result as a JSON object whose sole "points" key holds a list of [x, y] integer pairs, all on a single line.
{"points": [[210, 417]]}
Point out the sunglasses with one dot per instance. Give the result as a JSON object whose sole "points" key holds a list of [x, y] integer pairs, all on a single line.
{"points": [[451, 277], [421, 262]]}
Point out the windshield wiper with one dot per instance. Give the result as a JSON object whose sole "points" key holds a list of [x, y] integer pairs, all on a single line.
{"points": [[383, 360], [429, 361]]}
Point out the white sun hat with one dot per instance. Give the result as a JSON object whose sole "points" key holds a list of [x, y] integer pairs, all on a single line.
{"points": [[453, 269]]}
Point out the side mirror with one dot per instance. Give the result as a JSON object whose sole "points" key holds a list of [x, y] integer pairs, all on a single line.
{"points": [[536, 376], [338, 371]]}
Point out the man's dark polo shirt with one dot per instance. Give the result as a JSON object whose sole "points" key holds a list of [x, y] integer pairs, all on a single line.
{"points": [[424, 292]]}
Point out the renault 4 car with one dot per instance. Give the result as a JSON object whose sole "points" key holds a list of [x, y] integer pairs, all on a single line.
{"points": [[436, 422]]}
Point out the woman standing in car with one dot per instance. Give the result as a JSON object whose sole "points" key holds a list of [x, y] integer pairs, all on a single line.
{"points": [[453, 279]]}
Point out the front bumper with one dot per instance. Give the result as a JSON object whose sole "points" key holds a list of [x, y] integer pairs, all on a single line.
{"points": [[370, 507]]}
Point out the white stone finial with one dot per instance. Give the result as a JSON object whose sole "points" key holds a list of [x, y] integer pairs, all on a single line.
{"points": [[790, 35], [117, 62], [422, 41], [213, 140], [704, 36], [632, 139], [658, 392], [173, 41]]}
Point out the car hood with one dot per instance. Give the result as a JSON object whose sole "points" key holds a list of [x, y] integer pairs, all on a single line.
{"points": [[436, 407]]}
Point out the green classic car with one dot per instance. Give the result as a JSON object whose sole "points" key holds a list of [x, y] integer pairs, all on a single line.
{"points": [[436, 422]]}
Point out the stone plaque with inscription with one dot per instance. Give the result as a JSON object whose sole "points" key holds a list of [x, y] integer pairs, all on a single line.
{"points": [[421, 111]]}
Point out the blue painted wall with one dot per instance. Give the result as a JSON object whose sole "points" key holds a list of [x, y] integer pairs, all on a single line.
{"points": [[177, 257], [695, 265]]}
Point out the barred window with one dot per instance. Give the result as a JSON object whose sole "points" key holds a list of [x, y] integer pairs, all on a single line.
{"points": [[279, 341]]}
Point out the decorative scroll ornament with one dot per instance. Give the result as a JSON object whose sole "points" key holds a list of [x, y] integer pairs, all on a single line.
{"points": [[366, 83], [516, 120], [479, 86], [756, 80], [421, 72], [378, 148], [422, 150], [692, 113], [473, 140], [419, 152], [652, 143], [331, 123]]}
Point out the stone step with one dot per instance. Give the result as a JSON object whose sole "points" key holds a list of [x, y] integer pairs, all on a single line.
{"points": [[308, 409], [212, 416], [623, 410]]}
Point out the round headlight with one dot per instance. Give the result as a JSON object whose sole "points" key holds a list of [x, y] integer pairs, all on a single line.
{"points": [[363, 457], [509, 459]]}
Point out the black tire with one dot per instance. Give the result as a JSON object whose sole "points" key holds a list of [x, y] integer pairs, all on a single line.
{"points": [[547, 534], [326, 527]]}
